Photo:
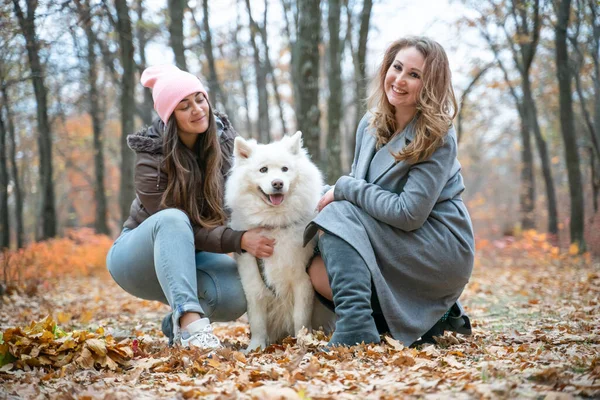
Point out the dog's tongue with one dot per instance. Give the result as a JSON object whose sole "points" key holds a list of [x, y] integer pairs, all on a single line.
{"points": [[276, 199]]}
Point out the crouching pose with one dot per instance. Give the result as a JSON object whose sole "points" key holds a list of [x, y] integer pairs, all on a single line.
{"points": [[395, 236], [171, 248]]}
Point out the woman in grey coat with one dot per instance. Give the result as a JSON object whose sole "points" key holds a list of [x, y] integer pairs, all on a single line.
{"points": [[395, 237]]}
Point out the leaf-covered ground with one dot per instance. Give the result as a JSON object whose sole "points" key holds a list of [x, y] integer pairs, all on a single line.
{"points": [[535, 311]]}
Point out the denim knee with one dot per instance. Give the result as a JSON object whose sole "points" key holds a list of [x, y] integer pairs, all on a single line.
{"points": [[175, 219]]}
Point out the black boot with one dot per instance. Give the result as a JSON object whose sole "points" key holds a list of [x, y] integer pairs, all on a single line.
{"points": [[455, 320]]}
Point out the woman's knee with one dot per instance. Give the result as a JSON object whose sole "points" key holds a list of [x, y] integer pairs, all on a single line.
{"points": [[319, 279], [173, 218]]}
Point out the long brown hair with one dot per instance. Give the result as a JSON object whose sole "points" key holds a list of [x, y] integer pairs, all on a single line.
{"points": [[194, 182], [436, 102]]}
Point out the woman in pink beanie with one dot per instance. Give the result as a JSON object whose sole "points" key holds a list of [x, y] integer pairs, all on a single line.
{"points": [[172, 247]]}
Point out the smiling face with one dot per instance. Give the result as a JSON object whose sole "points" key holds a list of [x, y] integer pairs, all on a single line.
{"points": [[274, 184], [269, 171], [404, 80], [273, 180], [192, 117]]}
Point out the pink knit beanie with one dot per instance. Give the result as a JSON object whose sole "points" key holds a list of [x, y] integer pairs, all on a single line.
{"points": [[169, 86]]}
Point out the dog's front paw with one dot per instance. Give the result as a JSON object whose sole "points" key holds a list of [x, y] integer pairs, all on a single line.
{"points": [[256, 345]]}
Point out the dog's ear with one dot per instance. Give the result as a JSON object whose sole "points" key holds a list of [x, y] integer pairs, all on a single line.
{"points": [[241, 148], [295, 142]]}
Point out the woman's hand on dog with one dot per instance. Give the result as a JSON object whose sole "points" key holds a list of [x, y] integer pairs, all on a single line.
{"points": [[256, 243], [326, 199]]}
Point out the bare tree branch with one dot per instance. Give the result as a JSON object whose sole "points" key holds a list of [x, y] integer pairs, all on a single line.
{"points": [[463, 97]]}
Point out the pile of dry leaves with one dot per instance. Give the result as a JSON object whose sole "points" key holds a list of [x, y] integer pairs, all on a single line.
{"points": [[535, 311], [44, 344]]}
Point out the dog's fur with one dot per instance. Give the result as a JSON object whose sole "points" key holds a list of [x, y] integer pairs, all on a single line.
{"points": [[284, 304]]}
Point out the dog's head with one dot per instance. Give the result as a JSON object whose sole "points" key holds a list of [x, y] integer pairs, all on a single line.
{"points": [[270, 170]]}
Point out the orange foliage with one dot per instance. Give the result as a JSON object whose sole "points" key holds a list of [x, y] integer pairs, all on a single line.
{"points": [[532, 246], [81, 252], [76, 174]]}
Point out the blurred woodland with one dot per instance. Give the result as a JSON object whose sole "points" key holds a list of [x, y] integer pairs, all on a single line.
{"points": [[527, 77], [528, 123]]}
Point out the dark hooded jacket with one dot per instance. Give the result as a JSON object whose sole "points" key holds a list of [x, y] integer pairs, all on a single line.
{"points": [[151, 182]]}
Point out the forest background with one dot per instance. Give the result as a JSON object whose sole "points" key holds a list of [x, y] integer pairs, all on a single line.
{"points": [[527, 77], [527, 74]]}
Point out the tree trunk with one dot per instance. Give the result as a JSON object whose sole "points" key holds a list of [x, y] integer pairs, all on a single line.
{"points": [[127, 192], [568, 126], [594, 179], [271, 73], [4, 221], [147, 106], [109, 62], [264, 128], [307, 67], [595, 54], [238, 65], [522, 56], [587, 118], [176, 12], [596, 57], [334, 103], [360, 67], [100, 223], [531, 113], [18, 195], [290, 16], [527, 189], [213, 83], [528, 25], [48, 212]]}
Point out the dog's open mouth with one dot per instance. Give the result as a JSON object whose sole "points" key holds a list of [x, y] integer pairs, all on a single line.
{"points": [[276, 199], [273, 199]]}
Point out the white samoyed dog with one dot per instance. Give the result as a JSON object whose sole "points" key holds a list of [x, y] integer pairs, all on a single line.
{"points": [[275, 186]]}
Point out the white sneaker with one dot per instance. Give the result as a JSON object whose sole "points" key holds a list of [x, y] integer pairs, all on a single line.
{"points": [[198, 334]]}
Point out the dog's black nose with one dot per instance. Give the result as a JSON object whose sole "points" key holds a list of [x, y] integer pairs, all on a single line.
{"points": [[277, 184]]}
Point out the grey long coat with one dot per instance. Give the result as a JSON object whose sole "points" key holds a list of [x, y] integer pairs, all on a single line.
{"points": [[409, 224]]}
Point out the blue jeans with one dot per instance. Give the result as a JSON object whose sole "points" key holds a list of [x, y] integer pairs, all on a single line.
{"points": [[158, 261]]}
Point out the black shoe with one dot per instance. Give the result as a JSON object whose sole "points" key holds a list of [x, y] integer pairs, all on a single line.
{"points": [[455, 320], [458, 321], [167, 327]]}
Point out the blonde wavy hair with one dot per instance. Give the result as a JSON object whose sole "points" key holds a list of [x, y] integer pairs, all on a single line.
{"points": [[436, 102]]}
